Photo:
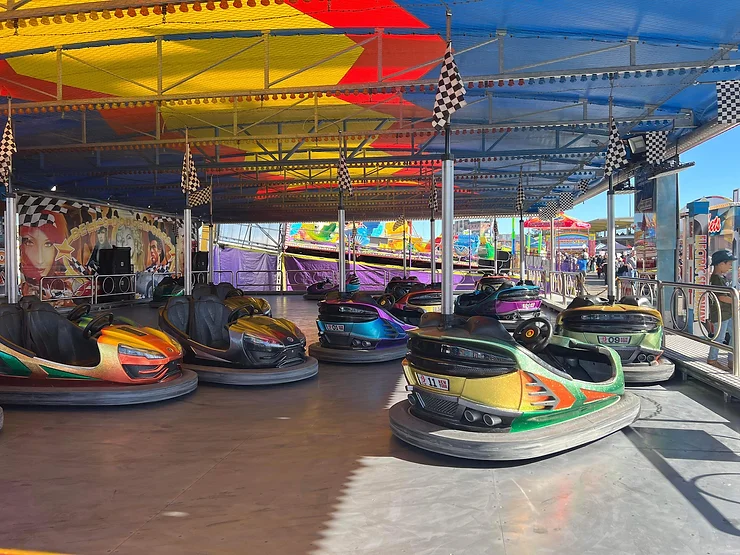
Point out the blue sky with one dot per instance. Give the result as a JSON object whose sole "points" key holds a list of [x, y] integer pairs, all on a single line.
{"points": [[715, 174]]}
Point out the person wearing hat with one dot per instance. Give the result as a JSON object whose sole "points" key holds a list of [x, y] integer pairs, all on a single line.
{"points": [[721, 264]]}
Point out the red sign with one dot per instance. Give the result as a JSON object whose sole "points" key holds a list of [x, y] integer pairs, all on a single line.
{"points": [[715, 226]]}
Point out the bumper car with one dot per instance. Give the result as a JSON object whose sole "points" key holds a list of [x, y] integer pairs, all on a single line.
{"points": [[319, 290], [168, 287], [476, 393], [47, 358], [355, 329], [233, 297], [630, 327], [509, 303], [234, 346], [412, 306], [400, 286]]}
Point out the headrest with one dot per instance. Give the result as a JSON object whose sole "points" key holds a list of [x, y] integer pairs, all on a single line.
{"points": [[202, 290], [582, 302], [173, 302], [636, 301]]}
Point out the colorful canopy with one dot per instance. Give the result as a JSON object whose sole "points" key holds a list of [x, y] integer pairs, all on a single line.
{"points": [[103, 93], [562, 221]]}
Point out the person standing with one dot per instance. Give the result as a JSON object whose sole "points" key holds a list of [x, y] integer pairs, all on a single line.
{"points": [[721, 264]]}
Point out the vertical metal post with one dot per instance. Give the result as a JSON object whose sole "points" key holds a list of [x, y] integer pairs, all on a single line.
{"points": [[379, 40], [11, 246], [187, 250], [341, 226], [735, 331], [522, 251], [448, 215], [495, 247], [553, 247], [611, 244], [470, 248], [404, 247], [59, 73], [266, 43], [432, 249]]}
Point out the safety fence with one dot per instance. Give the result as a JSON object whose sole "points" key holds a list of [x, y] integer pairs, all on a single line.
{"points": [[560, 286]]}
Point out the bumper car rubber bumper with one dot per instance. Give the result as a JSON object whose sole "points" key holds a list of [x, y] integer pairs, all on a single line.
{"points": [[357, 356], [98, 394], [644, 372], [314, 296], [255, 376], [492, 446]]}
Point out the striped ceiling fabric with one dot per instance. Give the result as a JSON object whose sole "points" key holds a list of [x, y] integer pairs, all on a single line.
{"points": [[267, 113]]}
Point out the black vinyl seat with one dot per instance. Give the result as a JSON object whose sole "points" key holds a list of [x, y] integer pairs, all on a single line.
{"points": [[475, 327], [11, 324], [635, 301], [205, 320], [222, 291], [50, 336], [472, 299]]}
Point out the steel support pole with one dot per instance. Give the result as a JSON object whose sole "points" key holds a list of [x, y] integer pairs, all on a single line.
{"points": [[188, 251], [211, 257], [11, 246], [522, 251], [448, 215], [553, 247], [495, 251], [404, 248], [432, 250], [342, 248], [611, 244]]}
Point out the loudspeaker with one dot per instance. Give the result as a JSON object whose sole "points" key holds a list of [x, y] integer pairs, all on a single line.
{"points": [[200, 261], [114, 262]]}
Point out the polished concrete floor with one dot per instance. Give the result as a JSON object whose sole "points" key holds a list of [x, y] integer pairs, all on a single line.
{"points": [[312, 468]]}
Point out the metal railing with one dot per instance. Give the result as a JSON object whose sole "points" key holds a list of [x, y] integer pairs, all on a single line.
{"points": [[199, 277], [269, 285], [113, 286], [67, 287], [639, 287], [230, 273]]}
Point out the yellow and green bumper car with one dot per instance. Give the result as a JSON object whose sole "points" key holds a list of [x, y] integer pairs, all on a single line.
{"points": [[631, 327], [477, 393]]}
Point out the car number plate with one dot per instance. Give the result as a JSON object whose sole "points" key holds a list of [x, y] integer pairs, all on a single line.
{"points": [[334, 327], [529, 305], [436, 383], [435, 309], [614, 340]]}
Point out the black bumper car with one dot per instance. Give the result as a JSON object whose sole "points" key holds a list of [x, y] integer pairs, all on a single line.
{"points": [[168, 287], [319, 290], [232, 346], [233, 297]]}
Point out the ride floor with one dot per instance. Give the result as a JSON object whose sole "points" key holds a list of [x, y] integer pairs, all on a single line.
{"points": [[312, 468]]}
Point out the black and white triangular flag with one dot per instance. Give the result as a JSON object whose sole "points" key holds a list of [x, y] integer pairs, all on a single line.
{"points": [[656, 143], [7, 149], [520, 198], [565, 201], [200, 197], [616, 154], [583, 186], [343, 178], [551, 210], [728, 102], [433, 199], [189, 181], [450, 91]]}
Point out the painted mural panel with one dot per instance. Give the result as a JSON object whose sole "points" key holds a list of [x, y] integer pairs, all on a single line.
{"points": [[64, 238]]}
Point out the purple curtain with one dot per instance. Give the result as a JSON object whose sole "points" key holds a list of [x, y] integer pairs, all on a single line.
{"points": [[253, 271]]}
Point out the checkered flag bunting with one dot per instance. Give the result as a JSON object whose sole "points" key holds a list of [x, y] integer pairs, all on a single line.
{"points": [[189, 182], [616, 154], [520, 198], [450, 91], [7, 149], [37, 211], [656, 143], [433, 199], [343, 178], [565, 201], [400, 222], [549, 211], [728, 102], [200, 197], [583, 186]]}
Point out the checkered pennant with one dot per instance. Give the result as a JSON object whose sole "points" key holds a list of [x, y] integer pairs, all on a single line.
{"points": [[343, 178], [616, 154], [37, 211], [400, 222], [189, 182], [565, 201], [450, 91], [433, 199], [520, 197], [728, 102], [7, 149], [200, 197], [551, 210], [656, 143], [583, 186]]}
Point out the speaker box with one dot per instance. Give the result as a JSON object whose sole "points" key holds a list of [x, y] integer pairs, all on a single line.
{"points": [[114, 262], [200, 261]]}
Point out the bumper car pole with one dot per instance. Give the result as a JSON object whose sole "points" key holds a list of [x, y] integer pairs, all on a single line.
{"points": [[187, 251], [211, 239], [448, 214], [340, 223], [11, 228], [611, 232]]}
